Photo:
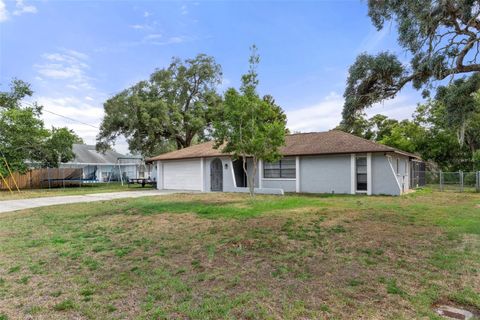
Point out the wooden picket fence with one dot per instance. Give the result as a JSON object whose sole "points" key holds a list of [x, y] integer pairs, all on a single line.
{"points": [[43, 178]]}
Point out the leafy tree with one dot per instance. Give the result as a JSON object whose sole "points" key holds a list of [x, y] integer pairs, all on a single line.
{"points": [[57, 148], [461, 109], [377, 128], [381, 127], [476, 160], [403, 135], [250, 126], [443, 38], [173, 109], [434, 130], [439, 142], [358, 125], [18, 91], [23, 135]]}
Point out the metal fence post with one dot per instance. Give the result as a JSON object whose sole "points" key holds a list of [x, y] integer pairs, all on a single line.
{"points": [[460, 175], [441, 181], [477, 184]]}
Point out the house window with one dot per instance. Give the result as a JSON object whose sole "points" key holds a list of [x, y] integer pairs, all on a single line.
{"points": [[361, 165], [285, 168]]}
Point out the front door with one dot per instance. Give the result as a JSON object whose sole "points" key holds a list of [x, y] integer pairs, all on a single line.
{"points": [[216, 175]]}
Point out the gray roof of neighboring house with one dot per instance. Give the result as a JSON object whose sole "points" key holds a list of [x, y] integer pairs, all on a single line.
{"points": [[85, 153]]}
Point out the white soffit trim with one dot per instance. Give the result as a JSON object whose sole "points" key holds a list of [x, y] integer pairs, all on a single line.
{"points": [[260, 174], [352, 173], [297, 174], [202, 175], [369, 173]]}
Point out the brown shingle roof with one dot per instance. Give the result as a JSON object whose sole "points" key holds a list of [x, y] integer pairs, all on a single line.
{"points": [[314, 143]]}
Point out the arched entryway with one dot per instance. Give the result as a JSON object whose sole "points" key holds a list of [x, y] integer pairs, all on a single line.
{"points": [[216, 175]]}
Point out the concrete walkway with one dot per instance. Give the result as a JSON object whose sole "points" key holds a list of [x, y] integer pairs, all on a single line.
{"points": [[20, 204]]}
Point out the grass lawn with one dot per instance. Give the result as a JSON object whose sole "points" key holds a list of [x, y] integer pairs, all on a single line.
{"points": [[222, 256], [69, 191]]}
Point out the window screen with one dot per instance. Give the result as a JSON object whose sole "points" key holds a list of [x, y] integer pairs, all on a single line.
{"points": [[285, 168], [361, 173]]}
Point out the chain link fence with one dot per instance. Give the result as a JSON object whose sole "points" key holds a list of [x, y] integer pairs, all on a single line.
{"points": [[459, 181]]}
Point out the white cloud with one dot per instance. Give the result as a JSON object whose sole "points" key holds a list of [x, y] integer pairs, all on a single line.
{"points": [[184, 9], [144, 26], [147, 14], [157, 40], [373, 39], [67, 89], [327, 114], [73, 108], [400, 108], [22, 8], [3, 11], [88, 110], [66, 65], [320, 117], [76, 54], [137, 26], [153, 36]]}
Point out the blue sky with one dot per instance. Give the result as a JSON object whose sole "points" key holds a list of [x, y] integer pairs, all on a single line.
{"points": [[78, 53]]}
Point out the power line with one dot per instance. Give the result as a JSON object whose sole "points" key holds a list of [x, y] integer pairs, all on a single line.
{"points": [[60, 115]]}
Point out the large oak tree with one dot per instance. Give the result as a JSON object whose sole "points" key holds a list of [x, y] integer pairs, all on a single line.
{"points": [[170, 110], [442, 37]]}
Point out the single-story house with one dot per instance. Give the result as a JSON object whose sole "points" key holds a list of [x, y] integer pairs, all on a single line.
{"points": [[105, 166], [317, 162]]}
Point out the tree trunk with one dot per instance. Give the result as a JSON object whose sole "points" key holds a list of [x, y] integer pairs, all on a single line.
{"points": [[461, 131], [254, 172], [250, 177]]}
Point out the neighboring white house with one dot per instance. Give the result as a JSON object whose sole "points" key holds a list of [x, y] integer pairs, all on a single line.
{"points": [[104, 167], [317, 162]]}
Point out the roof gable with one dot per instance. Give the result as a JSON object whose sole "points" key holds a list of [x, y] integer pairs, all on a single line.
{"points": [[88, 154]]}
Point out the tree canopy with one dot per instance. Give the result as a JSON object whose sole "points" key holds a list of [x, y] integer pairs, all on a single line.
{"points": [[24, 136], [249, 125], [437, 127], [461, 109], [172, 109], [442, 37]]}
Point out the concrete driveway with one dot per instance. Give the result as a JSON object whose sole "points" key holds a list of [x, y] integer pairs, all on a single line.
{"points": [[20, 204]]}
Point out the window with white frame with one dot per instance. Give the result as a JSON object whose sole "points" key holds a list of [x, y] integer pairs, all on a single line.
{"points": [[283, 169], [361, 171]]}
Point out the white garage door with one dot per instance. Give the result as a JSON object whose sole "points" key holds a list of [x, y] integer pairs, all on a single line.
{"points": [[182, 175]]}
